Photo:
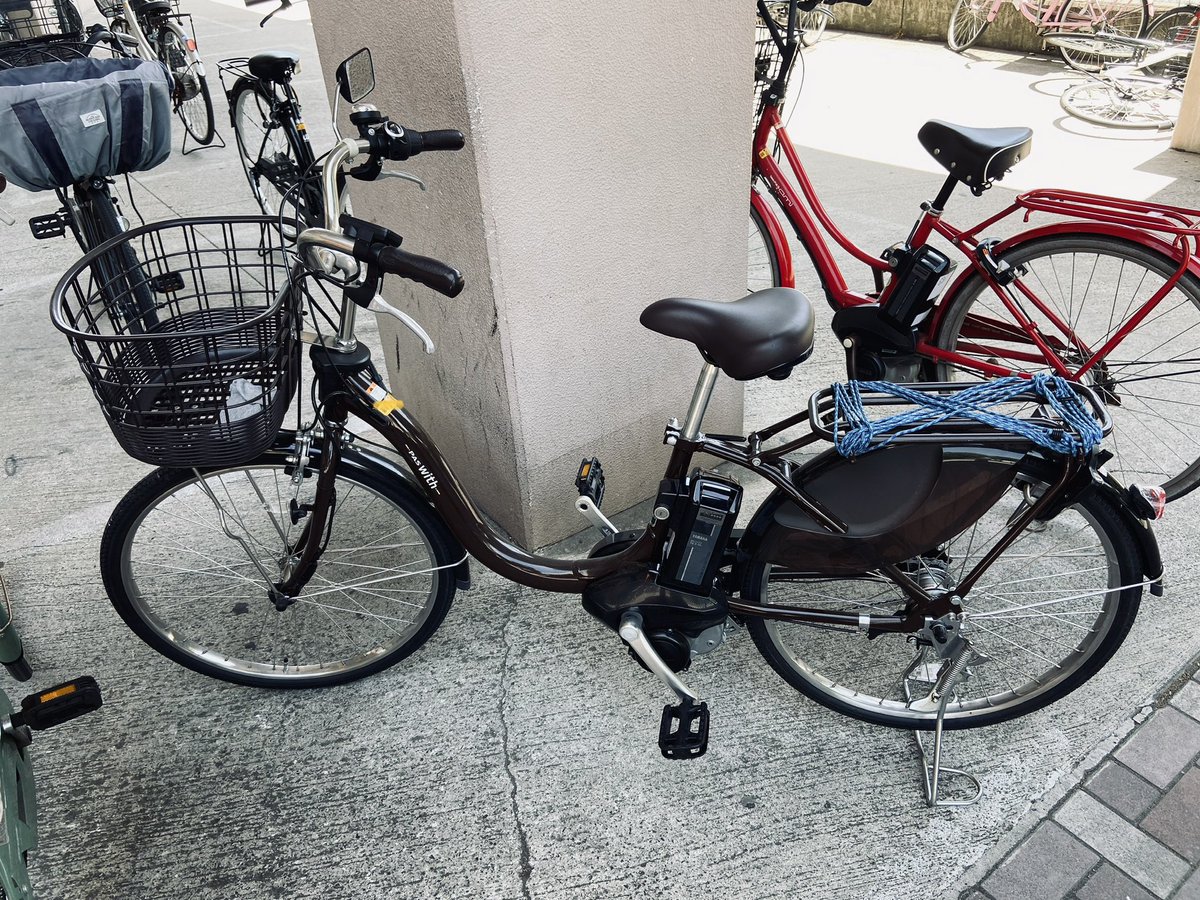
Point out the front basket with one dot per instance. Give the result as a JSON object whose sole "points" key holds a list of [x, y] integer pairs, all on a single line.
{"points": [[187, 332]]}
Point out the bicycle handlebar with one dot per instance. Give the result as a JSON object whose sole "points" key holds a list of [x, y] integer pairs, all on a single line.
{"points": [[423, 269]]}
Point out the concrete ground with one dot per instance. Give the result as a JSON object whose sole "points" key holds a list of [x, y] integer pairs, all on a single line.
{"points": [[514, 755]]}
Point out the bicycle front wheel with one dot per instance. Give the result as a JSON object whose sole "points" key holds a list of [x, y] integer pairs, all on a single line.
{"points": [[1090, 287], [762, 264], [1119, 17], [196, 107], [1129, 102], [188, 559], [968, 22], [1045, 617]]}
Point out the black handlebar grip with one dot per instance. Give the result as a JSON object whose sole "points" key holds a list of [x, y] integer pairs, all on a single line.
{"points": [[430, 272], [444, 139]]}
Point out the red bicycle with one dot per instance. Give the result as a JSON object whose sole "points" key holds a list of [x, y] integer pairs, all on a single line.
{"points": [[1106, 292]]}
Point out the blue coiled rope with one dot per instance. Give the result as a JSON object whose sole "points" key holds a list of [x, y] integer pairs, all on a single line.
{"points": [[1080, 435]]}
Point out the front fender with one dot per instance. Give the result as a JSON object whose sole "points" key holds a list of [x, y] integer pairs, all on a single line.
{"points": [[365, 462]]}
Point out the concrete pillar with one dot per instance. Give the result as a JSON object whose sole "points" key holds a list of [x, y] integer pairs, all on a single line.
{"points": [[1187, 130], [607, 166]]}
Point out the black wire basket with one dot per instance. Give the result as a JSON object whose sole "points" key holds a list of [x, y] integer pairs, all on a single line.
{"points": [[26, 21], [188, 333], [767, 55]]}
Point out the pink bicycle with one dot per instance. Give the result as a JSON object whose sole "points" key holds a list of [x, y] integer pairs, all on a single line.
{"points": [[970, 19]]}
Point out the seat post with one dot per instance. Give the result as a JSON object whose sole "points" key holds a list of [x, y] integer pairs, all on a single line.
{"points": [[700, 398], [943, 197]]}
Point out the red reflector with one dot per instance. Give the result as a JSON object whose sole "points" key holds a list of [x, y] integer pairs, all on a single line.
{"points": [[1156, 497], [191, 45]]}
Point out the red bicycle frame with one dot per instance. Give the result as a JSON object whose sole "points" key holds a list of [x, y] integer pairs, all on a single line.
{"points": [[1171, 231]]}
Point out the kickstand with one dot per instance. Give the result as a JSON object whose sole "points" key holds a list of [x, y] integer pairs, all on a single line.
{"points": [[932, 771], [211, 145]]}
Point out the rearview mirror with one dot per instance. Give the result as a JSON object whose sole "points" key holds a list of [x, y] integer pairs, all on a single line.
{"points": [[356, 76]]}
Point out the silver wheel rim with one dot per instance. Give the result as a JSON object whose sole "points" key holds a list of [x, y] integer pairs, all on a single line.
{"points": [[1155, 371], [759, 272], [198, 591], [250, 117], [1068, 568]]}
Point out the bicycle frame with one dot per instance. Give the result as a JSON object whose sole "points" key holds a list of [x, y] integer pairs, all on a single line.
{"points": [[1044, 17], [1172, 231], [349, 385]]}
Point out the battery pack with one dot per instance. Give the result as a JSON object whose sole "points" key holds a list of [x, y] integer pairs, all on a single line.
{"points": [[704, 509], [917, 284]]}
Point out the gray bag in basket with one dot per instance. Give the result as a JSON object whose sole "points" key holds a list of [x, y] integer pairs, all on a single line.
{"points": [[64, 121]]}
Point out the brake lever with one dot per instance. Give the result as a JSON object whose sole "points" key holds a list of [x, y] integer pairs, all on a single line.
{"points": [[404, 175], [379, 305]]}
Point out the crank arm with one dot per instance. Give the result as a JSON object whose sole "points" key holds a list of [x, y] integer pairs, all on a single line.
{"points": [[632, 634]]}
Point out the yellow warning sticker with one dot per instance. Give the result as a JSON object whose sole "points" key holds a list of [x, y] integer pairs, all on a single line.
{"points": [[388, 405], [763, 153]]}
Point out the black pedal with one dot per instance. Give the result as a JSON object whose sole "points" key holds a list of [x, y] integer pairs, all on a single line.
{"points": [[58, 704], [167, 283], [683, 733], [51, 226], [590, 480]]}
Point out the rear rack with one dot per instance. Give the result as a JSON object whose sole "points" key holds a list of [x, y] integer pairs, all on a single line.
{"points": [[826, 424], [1174, 220]]}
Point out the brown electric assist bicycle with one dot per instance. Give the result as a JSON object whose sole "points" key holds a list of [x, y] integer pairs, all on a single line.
{"points": [[960, 575]]}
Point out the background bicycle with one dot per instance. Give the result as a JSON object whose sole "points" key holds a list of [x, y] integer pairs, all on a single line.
{"points": [[970, 19], [158, 29], [1128, 92], [111, 117], [1128, 327]]}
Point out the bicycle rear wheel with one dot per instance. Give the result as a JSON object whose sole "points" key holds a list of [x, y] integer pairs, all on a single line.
{"points": [[119, 273], [268, 156], [188, 559], [1177, 27], [762, 266], [968, 22], [1094, 284], [1101, 17], [1046, 615], [1128, 102], [195, 108]]}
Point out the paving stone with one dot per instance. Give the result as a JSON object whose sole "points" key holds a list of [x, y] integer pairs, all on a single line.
{"points": [[1119, 841], [1190, 889], [1188, 699], [1045, 867], [1107, 883], [1175, 820], [1127, 793], [1163, 747]]}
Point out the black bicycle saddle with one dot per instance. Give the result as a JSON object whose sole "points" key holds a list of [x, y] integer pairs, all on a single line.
{"points": [[273, 65], [975, 156], [762, 333]]}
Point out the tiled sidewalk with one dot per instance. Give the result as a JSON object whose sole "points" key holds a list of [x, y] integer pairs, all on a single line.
{"points": [[1130, 831]]}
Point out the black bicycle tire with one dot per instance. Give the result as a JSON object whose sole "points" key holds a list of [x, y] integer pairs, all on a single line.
{"points": [[156, 485], [956, 45], [243, 87], [1129, 561], [101, 223], [1158, 29], [950, 317], [756, 220], [166, 37]]}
